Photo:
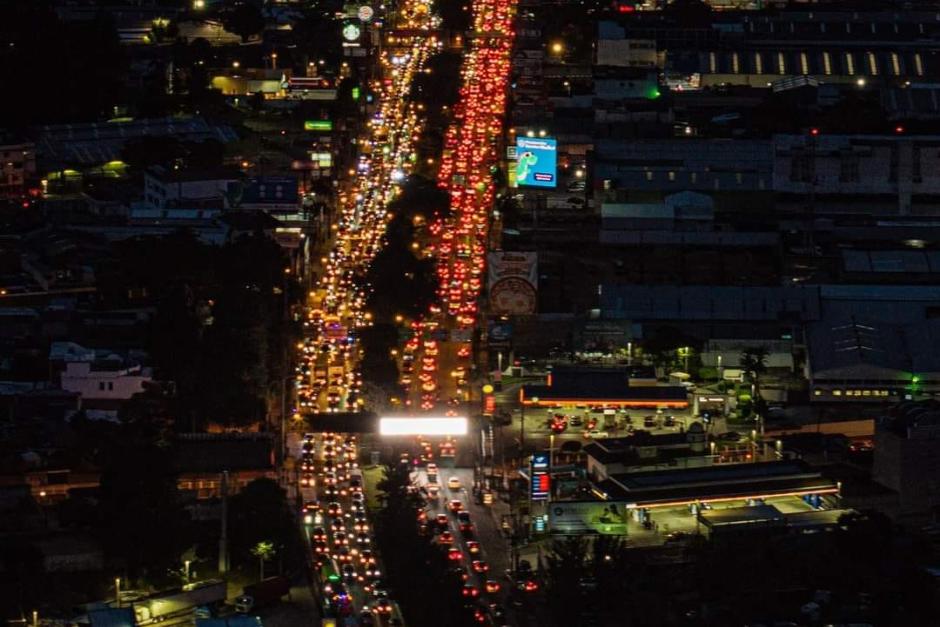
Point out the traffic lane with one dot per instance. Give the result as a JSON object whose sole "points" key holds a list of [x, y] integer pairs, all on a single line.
{"points": [[441, 506], [494, 548]]}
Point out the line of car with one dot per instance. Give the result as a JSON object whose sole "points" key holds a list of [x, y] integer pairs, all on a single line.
{"points": [[349, 569], [455, 532]]}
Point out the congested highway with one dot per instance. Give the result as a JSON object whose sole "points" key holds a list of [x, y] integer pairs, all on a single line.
{"points": [[328, 378], [443, 354], [348, 572], [471, 538], [436, 362]]}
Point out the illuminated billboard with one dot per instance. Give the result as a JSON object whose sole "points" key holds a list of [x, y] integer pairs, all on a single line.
{"points": [[536, 162], [577, 517], [423, 426], [318, 125], [513, 281]]}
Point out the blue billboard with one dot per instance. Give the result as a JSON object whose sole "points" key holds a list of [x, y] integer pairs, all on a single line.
{"points": [[536, 162]]}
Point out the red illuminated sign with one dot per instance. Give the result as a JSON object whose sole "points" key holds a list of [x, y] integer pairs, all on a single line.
{"points": [[541, 484]]}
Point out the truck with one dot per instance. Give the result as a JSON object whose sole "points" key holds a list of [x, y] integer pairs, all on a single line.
{"points": [[265, 592], [336, 373], [320, 371], [208, 594]]}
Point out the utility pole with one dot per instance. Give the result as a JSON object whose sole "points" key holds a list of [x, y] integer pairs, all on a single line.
{"points": [[223, 539]]}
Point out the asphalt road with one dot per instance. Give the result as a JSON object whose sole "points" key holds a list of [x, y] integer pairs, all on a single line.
{"points": [[494, 547]]}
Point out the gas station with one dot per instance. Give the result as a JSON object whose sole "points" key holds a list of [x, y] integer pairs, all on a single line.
{"points": [[571, 387], [664, 501]]}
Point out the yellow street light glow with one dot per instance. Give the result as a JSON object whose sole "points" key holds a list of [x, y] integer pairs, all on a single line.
{"points": [[423, 426], [487, 389]]}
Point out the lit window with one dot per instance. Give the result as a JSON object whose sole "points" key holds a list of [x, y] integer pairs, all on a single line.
{"points": [[817, 393], [735, 67], [837, 392], [866, 392], [849, 64], [781, 63], [649, 175], [693, 177], [672, 175], [712, 63], [872, 64], [804, 63], [918, 63], [827, 63], [758, 63], [895, 64]]}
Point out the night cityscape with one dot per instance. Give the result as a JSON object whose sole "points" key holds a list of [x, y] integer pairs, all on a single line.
{"points": [[442, 313]]}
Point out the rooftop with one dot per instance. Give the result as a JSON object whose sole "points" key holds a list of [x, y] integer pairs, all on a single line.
{"points": [[599, 385], [214, 453], [907, 417], [193, 174], [718, 482], [611, 450], [843, 344], [94, 143]]}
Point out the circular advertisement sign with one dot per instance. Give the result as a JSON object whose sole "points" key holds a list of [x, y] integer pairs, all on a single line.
{"points": [[365, 13], [513, 296]]}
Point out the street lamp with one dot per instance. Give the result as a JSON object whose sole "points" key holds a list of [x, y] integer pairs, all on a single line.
{"points": [[535, 399]]}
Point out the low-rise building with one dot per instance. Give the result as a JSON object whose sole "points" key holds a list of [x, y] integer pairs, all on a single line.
{"points": [[857, 359], [104, 384], [17, 167], [907, 458], [645, 451], [190, 189], [202, 458]]}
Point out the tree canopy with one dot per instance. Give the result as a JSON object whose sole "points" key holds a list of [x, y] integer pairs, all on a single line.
{"points": [[260, 513]]}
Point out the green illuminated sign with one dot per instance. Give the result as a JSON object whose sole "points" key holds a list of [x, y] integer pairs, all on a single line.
{"points": [[355, 93], [318, 125]]}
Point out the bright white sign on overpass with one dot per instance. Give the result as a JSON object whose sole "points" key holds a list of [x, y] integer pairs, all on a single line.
{"points": [[430, 425]]}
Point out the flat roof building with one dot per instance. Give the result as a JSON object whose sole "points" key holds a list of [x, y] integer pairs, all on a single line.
{"points": [[714, 484], [608, 387], [855, 359]]}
